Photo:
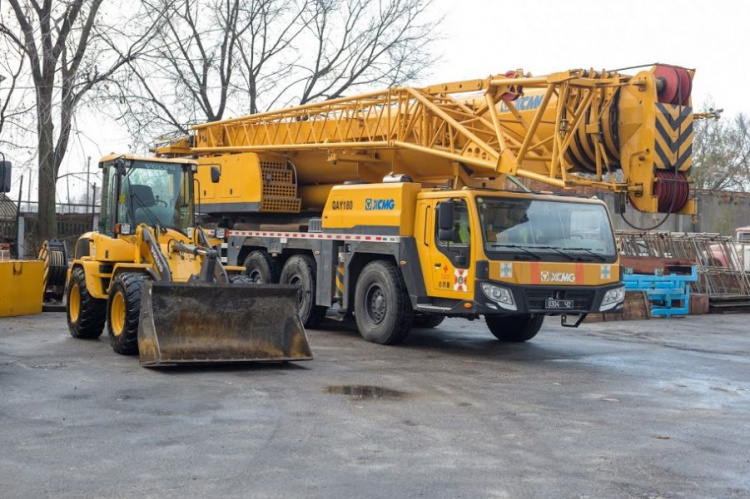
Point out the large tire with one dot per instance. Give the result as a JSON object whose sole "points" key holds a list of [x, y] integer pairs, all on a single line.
{"points": [[124, 310], [427, 321], [514, 328], [261, 268], [300, 270], [85, 313], [381, 304]]}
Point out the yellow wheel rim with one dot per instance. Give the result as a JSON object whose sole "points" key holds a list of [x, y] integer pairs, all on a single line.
{"points": [[117, 314], [74, 303]]}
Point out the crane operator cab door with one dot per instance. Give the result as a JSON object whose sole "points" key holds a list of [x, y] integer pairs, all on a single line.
{"points": [[445, 227]]}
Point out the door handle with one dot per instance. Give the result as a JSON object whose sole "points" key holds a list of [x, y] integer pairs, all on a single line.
{"points": [[438, 265]]}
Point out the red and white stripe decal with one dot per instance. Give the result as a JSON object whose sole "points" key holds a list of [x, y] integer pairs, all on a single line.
{"points": [[316, 235]]}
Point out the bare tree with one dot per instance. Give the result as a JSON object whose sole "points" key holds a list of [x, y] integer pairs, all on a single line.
{"points": [[67, 54], [218, 58], [721, 154], [360, 44], [11, 68]]}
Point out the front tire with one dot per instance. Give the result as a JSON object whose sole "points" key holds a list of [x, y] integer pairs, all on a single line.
{"points": [[381, 304], [514, 328], [124, 310], [85, 313], [300, 270]]}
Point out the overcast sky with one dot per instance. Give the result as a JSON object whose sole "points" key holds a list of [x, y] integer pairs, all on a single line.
{"points": [[483, 37]]}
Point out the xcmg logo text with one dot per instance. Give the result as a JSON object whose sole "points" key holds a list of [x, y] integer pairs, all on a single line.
{"points": [[557, 276], [379, 204]]}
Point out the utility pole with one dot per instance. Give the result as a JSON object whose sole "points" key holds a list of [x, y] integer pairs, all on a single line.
{"points": [[88, 181]]}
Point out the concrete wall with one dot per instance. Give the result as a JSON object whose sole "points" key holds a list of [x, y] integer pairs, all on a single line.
{"points": [[718, 211]]}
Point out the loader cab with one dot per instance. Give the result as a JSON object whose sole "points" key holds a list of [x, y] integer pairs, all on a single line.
{"points": [[153, 191]]}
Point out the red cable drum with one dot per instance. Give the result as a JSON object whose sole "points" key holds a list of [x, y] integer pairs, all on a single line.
{"points": [[672, 189], [677, 85]]}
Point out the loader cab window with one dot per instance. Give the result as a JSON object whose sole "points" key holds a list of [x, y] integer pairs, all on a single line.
{"points": [[109, 200], [154, 193]]}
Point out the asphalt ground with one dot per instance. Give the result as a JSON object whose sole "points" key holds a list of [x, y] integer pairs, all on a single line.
{"points": [[639, 409]]}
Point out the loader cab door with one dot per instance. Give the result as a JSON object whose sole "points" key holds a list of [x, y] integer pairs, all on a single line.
{"points": [[445, 247]]}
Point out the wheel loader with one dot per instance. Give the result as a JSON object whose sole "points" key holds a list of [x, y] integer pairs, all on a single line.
{"points": [[154, 278]]}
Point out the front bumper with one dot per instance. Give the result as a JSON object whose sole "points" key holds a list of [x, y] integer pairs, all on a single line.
{"points": [[532, 300]]}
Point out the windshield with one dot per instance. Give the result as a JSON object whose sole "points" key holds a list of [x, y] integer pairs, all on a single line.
{"points": [[526, 229], [155, 193]]}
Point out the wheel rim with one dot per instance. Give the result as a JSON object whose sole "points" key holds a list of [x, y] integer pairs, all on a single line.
{"points": [[74, 303], [117, 314], [375, 304], [256, 276]]}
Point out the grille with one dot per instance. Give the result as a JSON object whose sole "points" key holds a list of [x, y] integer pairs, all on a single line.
{"points": [[281, 205], [535, 298], [280, 190]]}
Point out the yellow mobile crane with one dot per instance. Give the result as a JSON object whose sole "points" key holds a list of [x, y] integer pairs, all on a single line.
{"points": [[393, 205]]}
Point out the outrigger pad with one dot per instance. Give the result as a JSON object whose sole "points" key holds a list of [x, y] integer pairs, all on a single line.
{"points": [[192, 323]]}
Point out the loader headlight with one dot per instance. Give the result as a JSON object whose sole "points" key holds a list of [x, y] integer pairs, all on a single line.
{"points": [[500, 295], [220, 233], [612, 298], [124, 229]]}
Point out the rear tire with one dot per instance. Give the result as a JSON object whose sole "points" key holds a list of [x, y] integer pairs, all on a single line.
{"points": [[124, 310], [381, 304], [261, 268], [85, 313], [300, 270], [514, 328], [427, 321]]}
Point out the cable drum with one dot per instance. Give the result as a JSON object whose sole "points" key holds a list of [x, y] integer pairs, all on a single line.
{"points": [[582, 153], [672, 189], [54, 254]]}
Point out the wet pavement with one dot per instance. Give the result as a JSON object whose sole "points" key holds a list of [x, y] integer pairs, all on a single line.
{"points": [[642, 409]]}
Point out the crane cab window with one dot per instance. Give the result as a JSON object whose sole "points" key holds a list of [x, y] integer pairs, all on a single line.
{"points": [[461, 234], [455, 243]]}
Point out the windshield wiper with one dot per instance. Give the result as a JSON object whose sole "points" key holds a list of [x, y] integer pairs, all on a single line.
{"points": [[595, 255], [518, 246], [559, 251]]}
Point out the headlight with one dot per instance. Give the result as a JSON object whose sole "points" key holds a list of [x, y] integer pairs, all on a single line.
{"points": [[612, 298], [221, 233], [502, 296]]}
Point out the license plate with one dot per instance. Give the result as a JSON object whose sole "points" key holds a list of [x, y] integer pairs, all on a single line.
{"points": [[553, 304]]}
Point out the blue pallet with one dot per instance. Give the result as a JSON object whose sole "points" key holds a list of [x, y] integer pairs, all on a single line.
{"points": [[663, 290]]}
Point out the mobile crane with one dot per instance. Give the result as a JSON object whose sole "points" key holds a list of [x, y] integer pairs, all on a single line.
{"points": [[393, 205]]}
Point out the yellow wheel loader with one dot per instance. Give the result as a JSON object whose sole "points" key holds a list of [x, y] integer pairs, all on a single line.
{"points": [[155, 279]]}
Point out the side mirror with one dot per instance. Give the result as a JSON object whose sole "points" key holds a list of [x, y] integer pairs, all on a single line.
{"points": [[120, 167], [447, 235], [5, 167], [445, 215], [446, 230], [215, 174]]}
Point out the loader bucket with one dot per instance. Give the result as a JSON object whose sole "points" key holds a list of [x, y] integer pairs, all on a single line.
{"points": [[192, 323]]}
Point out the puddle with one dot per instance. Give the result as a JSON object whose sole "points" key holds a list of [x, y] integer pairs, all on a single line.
{"points": [[365, 392]]}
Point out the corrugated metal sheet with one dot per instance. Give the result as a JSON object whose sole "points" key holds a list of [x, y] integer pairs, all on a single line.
{"points": [[7, 208]]}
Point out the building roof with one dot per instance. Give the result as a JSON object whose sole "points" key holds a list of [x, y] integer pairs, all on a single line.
{"points": [[7, 208]]}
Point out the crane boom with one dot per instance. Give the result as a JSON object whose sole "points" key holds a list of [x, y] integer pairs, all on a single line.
{"points": [[629, 134]]}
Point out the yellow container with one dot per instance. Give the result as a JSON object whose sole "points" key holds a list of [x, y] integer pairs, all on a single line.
{"points": [[21, 287]]}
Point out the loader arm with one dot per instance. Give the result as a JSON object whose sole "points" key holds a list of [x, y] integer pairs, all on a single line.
{"points": [[148, 250]]}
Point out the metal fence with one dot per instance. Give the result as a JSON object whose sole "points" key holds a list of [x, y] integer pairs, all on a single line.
{"points": [[720, 266], [61, 208]]}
